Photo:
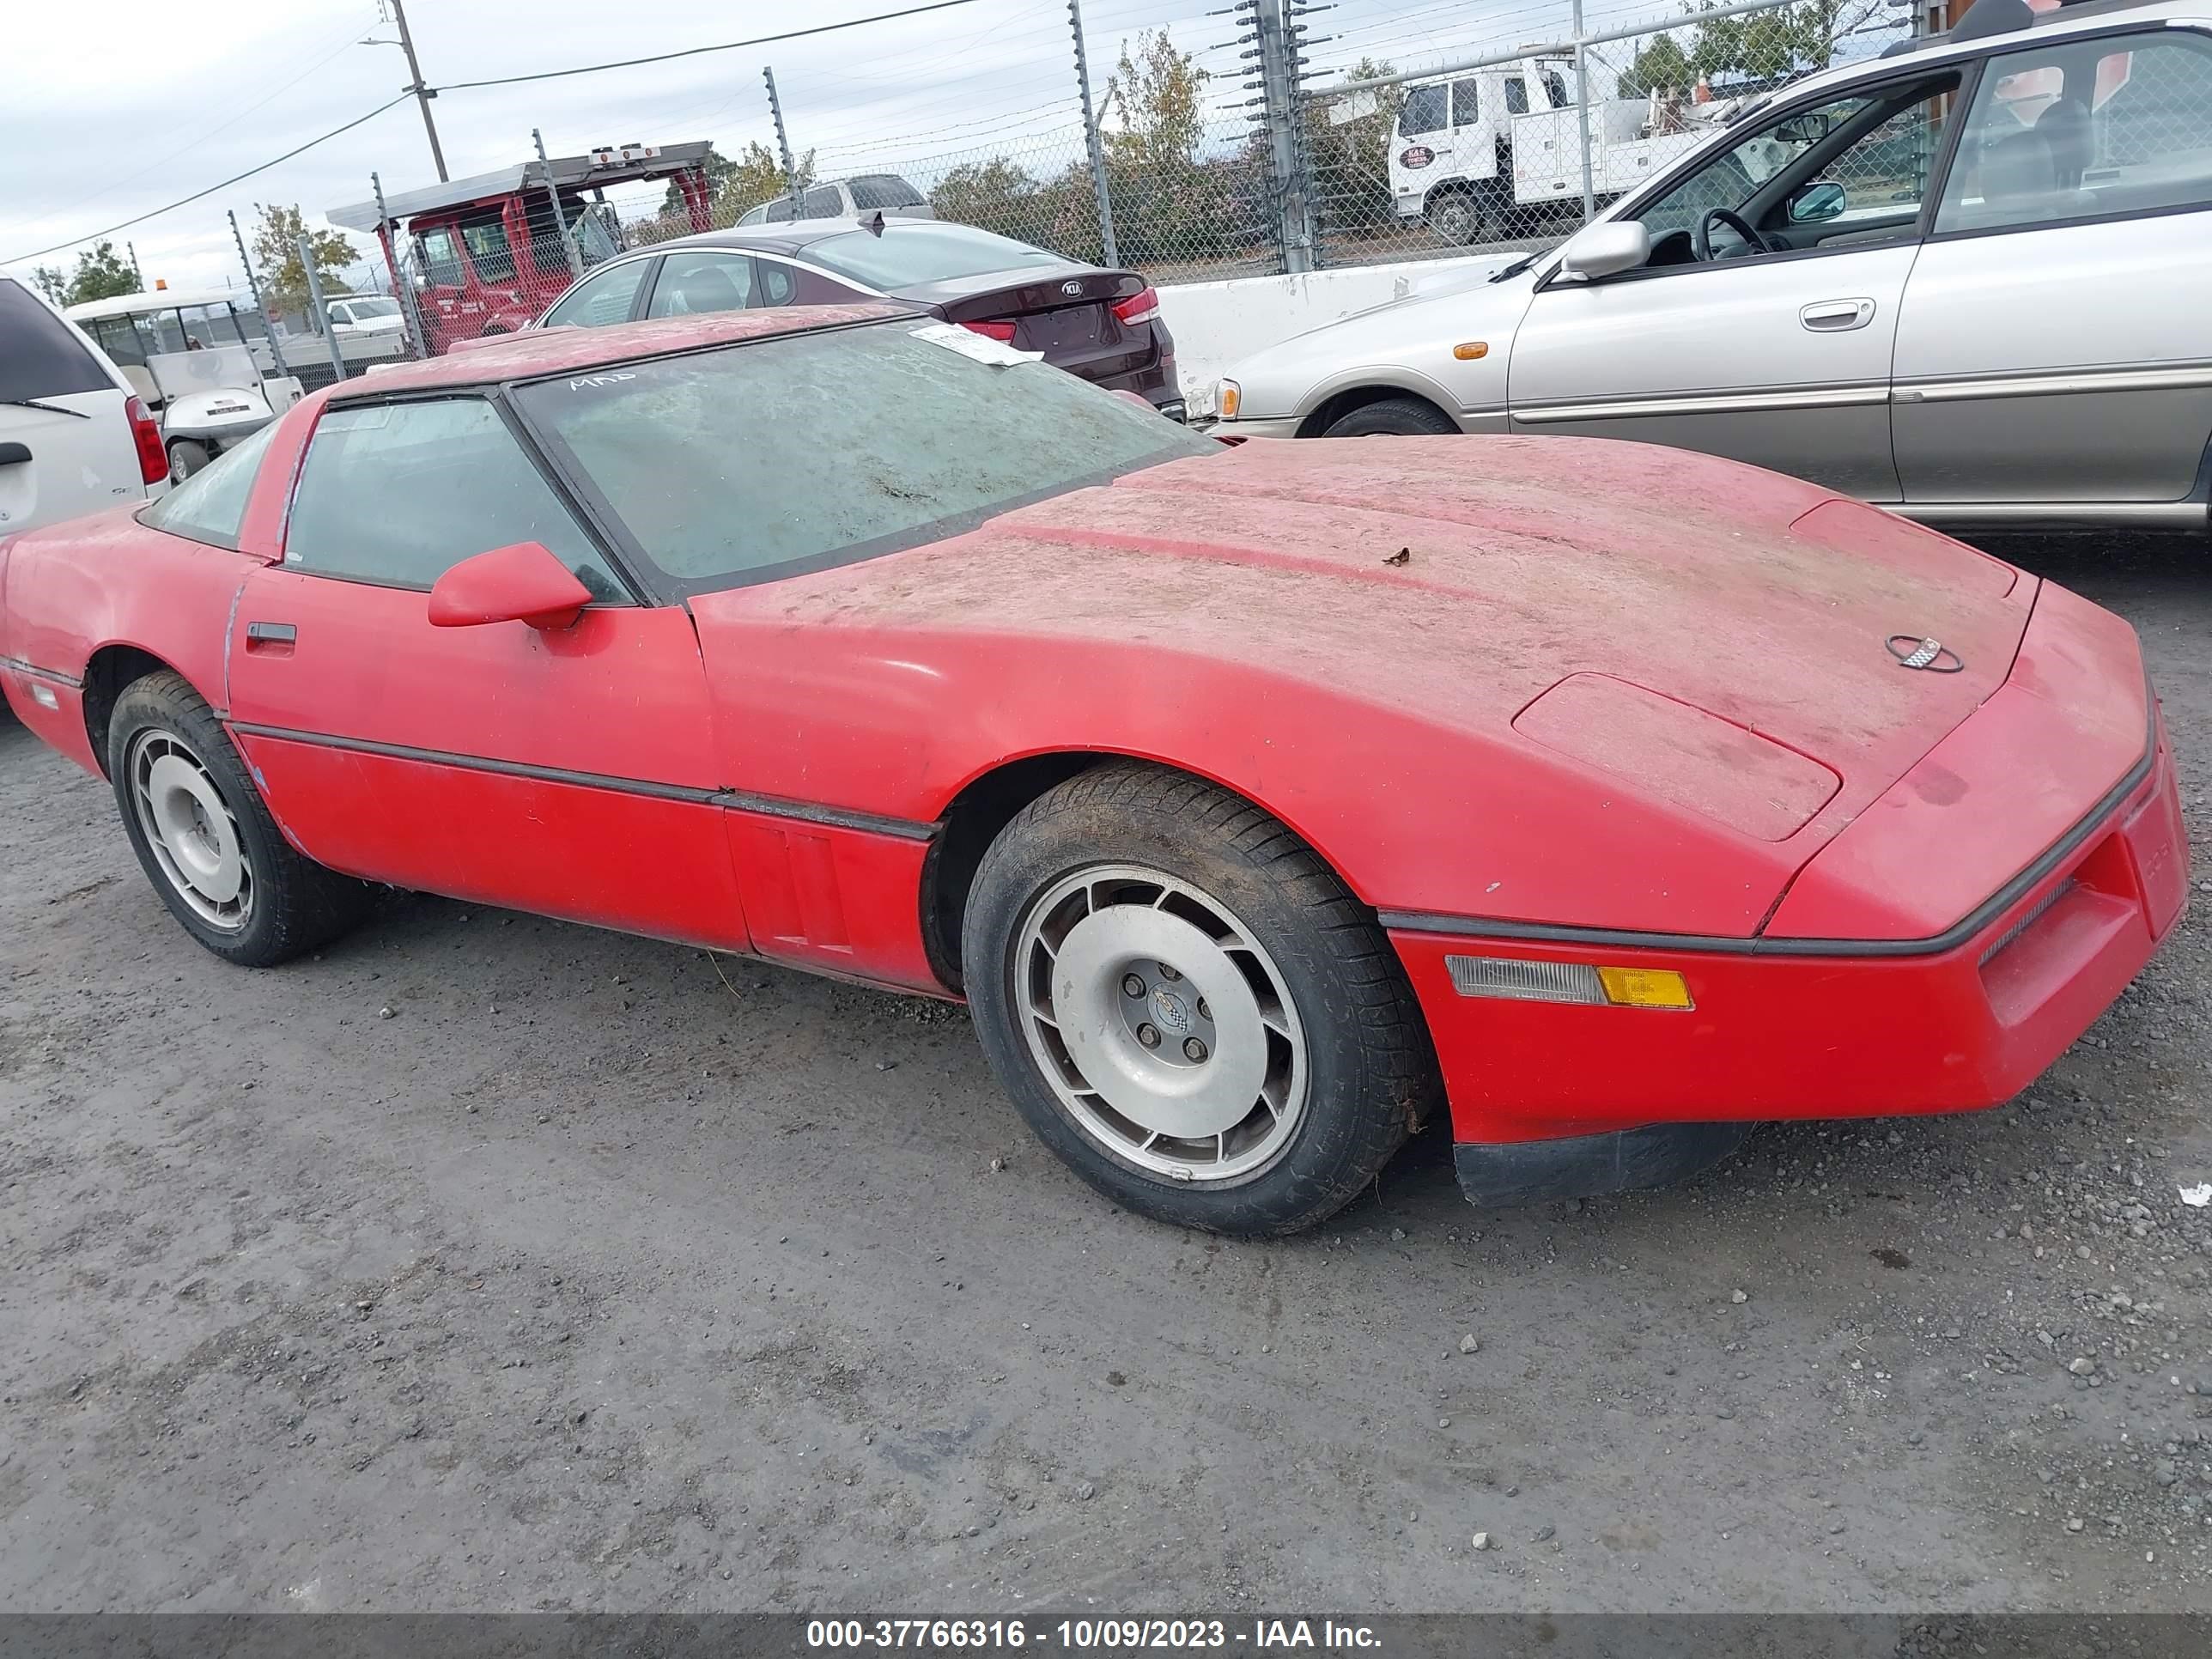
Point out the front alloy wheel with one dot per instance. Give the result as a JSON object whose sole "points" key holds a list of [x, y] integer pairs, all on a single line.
{"points": [[1166, 1031], [1187, 1006]]}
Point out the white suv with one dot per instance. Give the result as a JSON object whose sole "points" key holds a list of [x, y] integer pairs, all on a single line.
{"points": [[73, 439]]}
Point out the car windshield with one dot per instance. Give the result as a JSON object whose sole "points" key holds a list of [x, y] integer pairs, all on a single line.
{"points": [[907, 255], [796, 454]]}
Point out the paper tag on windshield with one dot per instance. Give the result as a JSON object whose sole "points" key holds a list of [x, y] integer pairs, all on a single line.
{"points": [[969, 344]]}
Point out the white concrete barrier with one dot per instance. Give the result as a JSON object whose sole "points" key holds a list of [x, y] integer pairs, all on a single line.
{"points": [[1218, 323]]}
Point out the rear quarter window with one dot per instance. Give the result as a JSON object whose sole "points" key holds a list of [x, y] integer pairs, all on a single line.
{"points": [[40, 357], [210, 507]]}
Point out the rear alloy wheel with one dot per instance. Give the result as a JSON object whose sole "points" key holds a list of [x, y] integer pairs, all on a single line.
{"points": [[1189, 1007], [185, 458], [204, 839], [1398, 417]]}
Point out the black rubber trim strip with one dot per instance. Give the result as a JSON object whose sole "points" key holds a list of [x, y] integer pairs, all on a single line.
{"points": [[1411, 922], [768, 806], [38, 673]]}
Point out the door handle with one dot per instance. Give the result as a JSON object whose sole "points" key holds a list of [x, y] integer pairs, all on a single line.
{"points": [[270, 639], [1835, 316], [14, 455]]}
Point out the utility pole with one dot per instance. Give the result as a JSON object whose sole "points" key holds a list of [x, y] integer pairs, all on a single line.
{"points": [[553, 195], [253, 287], [1282, 116], [1092, 139], [422, 94], [782, 143], [315, 298], [421, 342], [136, 274]]}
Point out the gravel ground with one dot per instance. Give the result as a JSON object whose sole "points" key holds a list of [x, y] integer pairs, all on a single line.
{"points": [[601, 1276]]}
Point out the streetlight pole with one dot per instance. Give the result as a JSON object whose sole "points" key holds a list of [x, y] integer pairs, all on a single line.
{"points": [[422, 94]]}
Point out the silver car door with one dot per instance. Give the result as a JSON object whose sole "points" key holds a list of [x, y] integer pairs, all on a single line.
{"points": [[2056, 343], [1780, 358]]}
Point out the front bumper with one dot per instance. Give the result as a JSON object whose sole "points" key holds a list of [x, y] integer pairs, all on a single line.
{"points": [[1278, 426], [1552, 1098]]}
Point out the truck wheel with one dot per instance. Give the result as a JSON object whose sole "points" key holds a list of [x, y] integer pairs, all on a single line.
{"points": [[1187, 1006], [1393, 417], [185, 458], [1459, 220]]}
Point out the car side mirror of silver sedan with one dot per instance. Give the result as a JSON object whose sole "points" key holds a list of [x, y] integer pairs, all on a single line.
{"points": [[1604, 249]]}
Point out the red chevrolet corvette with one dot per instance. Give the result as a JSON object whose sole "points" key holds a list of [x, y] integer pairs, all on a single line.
{"points": [[1256, 798]]}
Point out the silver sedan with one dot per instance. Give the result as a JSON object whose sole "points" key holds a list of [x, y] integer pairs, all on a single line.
{"points": [[1967, 280]]}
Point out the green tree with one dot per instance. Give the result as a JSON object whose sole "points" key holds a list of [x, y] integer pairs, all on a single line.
{"points": [[102, 273], [1168, 202], [997, 195], [1660, 66], [276, 250], [1351, 151], [757, 176], [51, 283]]}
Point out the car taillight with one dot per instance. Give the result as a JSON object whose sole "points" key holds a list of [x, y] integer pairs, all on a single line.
{"points": [[1139, 306], [991, 330], [146, 433]]}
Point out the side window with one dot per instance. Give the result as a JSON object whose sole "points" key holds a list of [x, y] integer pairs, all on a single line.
{"points": [[1466, 103], [1556, 85], [39, 357], [442, 260], [470, 488], [1424, 111], [825, 201], [774, 283], [692, 284], [2069, 132], [488, 250], [211, 504], [605, 297], [1517, 95], [782, 210], [1880, 169]]}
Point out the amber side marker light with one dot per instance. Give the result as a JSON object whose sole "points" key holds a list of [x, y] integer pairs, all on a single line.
{"points": [[1568, 982], [1468, 350]]}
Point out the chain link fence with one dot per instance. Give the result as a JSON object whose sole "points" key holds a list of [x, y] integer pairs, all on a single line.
{"points": [[1247, 139]]}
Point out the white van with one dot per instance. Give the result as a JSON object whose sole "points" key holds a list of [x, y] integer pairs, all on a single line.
{"points": [[74, 438]]}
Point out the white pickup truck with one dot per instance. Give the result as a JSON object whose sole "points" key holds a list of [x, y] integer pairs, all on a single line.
{"points": [[1470, 147]]}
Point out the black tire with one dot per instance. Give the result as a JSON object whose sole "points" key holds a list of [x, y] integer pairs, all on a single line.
{"points": [[1462, 218], [1398, 417], [1370, 1071], [295, 904], [187, 457]]}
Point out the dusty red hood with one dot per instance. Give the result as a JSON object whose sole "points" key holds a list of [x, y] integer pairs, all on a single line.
{"points": [[1469, 575], [1362, 634]]}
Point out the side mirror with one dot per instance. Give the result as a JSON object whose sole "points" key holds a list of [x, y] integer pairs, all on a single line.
{"points": [[1821, 199], [523, 583], [1605, 249]]}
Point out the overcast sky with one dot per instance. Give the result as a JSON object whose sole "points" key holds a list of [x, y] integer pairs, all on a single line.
{"points": [[103, 124]]}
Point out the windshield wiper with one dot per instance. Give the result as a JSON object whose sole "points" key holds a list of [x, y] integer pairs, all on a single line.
{"points": [[1516, 267], [46, 409]]}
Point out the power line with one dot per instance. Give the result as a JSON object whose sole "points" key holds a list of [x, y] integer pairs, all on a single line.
{"points": [[694, 52], [238, 178]]}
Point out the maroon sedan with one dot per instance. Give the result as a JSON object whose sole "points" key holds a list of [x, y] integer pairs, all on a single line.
{"points": [[1104, 325]]}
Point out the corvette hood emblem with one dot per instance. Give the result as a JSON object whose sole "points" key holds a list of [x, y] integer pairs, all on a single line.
{"points": [[1933, 655]]}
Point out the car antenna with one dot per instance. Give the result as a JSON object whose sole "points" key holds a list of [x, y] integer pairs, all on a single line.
{"points": [[874, 226]]}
